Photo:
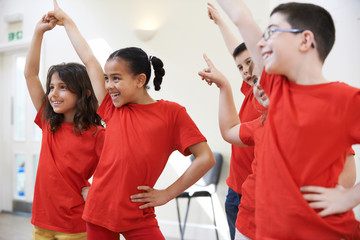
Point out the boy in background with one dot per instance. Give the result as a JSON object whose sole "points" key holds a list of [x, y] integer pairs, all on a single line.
{"points": [[241, 157]]}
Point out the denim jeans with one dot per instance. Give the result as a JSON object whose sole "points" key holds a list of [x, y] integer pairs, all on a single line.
{"points": [[232, 207]]}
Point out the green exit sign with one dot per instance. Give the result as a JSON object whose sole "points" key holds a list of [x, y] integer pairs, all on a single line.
{"points": [[15, 36]]}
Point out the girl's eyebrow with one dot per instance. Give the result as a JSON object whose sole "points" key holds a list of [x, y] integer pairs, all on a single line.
{"points": [[113, 74]]}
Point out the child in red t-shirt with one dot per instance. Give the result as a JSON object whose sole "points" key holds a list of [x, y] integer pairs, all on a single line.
{"points": [[244, 134], [241, 157], [310, 122], [141, 134], [72, 140], [250, 134]]}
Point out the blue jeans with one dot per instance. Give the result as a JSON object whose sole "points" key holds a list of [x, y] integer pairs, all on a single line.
{"points": [[232, 207]]}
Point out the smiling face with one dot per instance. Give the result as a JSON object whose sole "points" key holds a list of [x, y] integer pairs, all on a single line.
{"points": [[61, 99], [280, 51], [120, 83], [243, 62]]}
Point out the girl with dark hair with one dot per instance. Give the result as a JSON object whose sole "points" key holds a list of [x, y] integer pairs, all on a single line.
{"points": [[71, 143], [141, 133], [76, 79]]}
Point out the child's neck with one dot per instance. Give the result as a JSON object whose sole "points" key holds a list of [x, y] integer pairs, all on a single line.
{"points": [[69, 116], [145, 99], [307, 74], [309, 80]]}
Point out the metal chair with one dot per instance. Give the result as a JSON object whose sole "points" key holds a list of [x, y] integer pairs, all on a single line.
{"points": [[201, 189]]}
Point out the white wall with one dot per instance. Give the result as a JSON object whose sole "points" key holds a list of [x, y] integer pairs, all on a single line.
{"points": [[184, 34]]}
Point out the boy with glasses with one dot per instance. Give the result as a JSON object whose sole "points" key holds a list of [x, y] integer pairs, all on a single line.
{"points": [[310, 123]]}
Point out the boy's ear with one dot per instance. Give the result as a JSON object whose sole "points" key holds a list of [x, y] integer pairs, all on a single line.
{"points": [[141, 80], [308, 41]]}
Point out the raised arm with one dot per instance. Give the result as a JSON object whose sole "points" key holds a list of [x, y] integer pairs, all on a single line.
{"points": [[204, 160], [83, 50], [228, 119], [230, 40], [32, 64], [241, 16]]}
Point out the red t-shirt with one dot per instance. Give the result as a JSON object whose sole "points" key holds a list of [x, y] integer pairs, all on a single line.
{"points": [[250, 134], [241, 157], [306, 133], [66, 163], [139, 140]]}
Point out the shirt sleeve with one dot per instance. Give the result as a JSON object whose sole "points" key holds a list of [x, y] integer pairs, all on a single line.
{"points": [[106, 108], [100, 137], [39, 120], [99, 143], [246, 89], [247, 129], [267, 81], [186, 133], [353, 119]]}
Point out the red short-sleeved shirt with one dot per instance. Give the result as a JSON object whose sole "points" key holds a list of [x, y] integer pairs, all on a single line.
{"points": [[139, 140], [306, 134], [241, 157], [250, 134], [66, 163]]}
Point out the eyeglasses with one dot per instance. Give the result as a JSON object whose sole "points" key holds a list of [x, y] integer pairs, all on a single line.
{"points": [[269, 31]]}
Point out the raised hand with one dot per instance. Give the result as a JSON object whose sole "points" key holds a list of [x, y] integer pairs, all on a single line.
{"points": [[214, 14], [46, 23], [58, 13], [151, 197], [32, 65], [211, 74]]}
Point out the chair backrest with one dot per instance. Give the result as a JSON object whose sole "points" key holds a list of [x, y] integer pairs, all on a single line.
{"points": [[213, 175]]}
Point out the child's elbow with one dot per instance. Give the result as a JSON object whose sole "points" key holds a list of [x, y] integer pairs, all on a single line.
{"points": [[211, 160], [225, 136], [228, 137], [27, 75]]}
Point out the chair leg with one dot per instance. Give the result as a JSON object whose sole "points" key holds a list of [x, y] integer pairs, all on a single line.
{"points": [[182, 228], [186, 216], [216, 231], [178, 212]]}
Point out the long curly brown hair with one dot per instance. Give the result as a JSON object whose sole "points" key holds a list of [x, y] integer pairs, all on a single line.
{"points": [[77, 80]]}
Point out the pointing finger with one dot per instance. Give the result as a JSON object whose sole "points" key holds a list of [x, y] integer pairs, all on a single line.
{"points": [[208, 61], [56, 5]]}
